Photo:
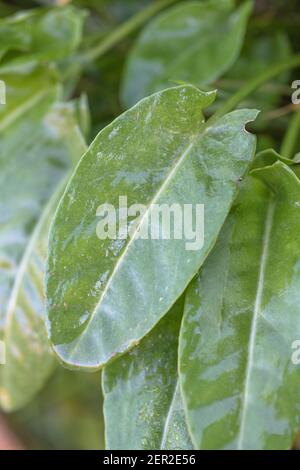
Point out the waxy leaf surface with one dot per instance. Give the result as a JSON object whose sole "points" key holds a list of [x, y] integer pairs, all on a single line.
{"points": [[142, 388], [242, 315], [195, 42], [103, 295]]}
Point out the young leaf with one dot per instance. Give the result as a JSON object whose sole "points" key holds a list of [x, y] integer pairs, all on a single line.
{"points": [[242, 315], [142, 388], [103, 295], [32, 149], [192, 42]]}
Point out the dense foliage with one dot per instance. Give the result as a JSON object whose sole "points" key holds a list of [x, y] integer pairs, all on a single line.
{"points": [[164, 102]]}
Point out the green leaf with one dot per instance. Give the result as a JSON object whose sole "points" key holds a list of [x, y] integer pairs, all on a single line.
{"points": [[24, 89], [34, 156], [240, 387], [23, 194], [268, 157], [41, 34], [142, 388], [192, 42], [104, 295]]}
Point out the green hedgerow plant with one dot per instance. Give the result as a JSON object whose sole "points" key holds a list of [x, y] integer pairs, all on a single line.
{"points": [[197, 348]]}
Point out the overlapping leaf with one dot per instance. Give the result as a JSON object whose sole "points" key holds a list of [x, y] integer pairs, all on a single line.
{"points": [[104, 295], [37, 143], [194, 42], [34, 156], [142, 388], [240, 386]]}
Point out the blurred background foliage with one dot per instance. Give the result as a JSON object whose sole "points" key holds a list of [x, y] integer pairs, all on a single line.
{"points": [[274, 29], [65, 415], [67, 412]]}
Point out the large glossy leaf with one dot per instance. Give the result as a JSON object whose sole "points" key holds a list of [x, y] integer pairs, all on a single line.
{"points": [[242, 314], [195, 42], [41, 34], [34, 155], [142, 388], [104, 295], [29, 360], [269, 156]]}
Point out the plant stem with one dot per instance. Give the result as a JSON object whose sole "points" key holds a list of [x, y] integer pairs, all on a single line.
{"points": [[124, 30], [291, 137], [283, 111], [252, 85]]}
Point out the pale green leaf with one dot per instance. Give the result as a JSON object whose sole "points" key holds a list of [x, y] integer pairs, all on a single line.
{"points": [[25, 89], [104, 295], [34, 155]]}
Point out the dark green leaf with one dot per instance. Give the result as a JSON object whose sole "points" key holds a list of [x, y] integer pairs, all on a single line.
{"points": [[268, 157], [41, 34], [142, 388]]}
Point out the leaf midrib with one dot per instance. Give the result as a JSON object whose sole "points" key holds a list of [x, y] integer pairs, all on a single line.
{"points": [[168, 418], [257, 309], [132, 239]]}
